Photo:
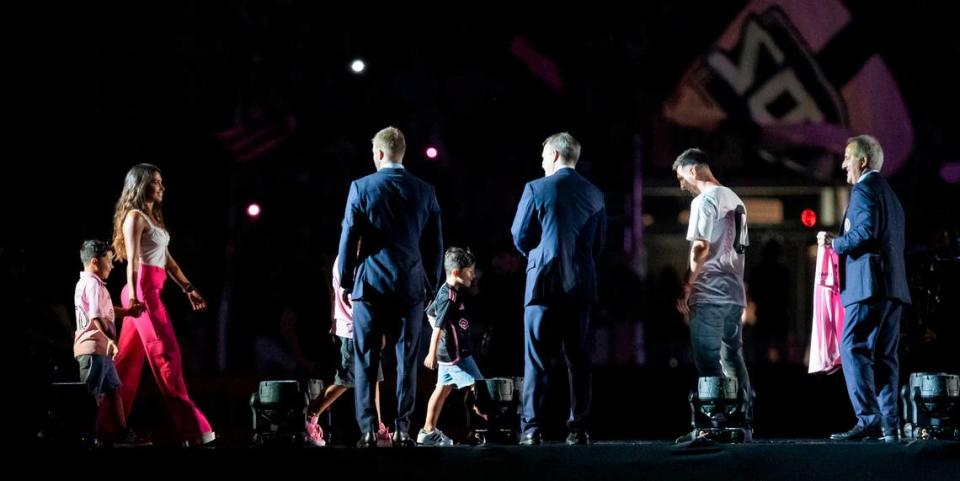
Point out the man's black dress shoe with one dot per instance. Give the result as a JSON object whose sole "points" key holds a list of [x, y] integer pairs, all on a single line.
{"points": [[531, 439], [403, 440], [578, 438], [368, 440], [889, 435], [858, 433]]}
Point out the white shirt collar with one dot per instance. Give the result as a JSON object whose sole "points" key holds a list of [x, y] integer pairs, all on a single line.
{"points": [[865, 174]]}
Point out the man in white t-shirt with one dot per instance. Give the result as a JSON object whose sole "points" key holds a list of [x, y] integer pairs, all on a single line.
{"points": [[713, 295]]}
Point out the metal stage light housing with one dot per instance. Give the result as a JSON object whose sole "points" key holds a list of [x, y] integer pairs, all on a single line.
{"points": [[720, 411], [277, 409], [494, 411], [930, 406]]}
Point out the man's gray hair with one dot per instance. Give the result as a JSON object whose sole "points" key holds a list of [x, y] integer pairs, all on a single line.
{"points": [[565, 145], [867, 146]]}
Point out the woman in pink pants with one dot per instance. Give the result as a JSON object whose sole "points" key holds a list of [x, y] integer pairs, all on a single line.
{"points": [[140, 237]]}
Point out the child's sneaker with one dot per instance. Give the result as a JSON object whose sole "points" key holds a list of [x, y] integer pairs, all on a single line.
{"points": [[314, 431], [435, 438], [207, 440], [384, 436]]}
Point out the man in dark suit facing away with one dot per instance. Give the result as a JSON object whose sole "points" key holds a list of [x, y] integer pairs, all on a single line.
{"points": [[559, 226], [391, 250]]}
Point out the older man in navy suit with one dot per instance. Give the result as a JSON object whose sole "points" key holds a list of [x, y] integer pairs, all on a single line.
{"points": [[873, 290], [559, 227], [392, 258]]}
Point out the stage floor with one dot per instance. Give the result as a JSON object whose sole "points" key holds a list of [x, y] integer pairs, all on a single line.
{"points": [[778, 460]]}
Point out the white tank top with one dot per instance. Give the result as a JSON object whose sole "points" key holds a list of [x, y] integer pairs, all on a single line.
{"points": [[153, 244]]}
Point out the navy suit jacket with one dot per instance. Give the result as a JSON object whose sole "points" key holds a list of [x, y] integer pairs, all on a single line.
{"points": [[872, 246], [560, 227], [391, 240]]}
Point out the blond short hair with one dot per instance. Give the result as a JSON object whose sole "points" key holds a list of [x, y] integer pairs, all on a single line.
{"points": [[391, 141]]}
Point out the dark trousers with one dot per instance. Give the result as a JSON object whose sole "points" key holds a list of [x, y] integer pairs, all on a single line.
{"points": [[549, 332], [716, 334], [401, 323], [868, 350]]}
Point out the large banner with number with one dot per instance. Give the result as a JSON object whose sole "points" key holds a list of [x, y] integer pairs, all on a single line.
{"points": [[803, 73]]}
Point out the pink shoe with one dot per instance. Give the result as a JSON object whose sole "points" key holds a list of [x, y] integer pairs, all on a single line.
{"points": [[384, 437], [314, 432]]}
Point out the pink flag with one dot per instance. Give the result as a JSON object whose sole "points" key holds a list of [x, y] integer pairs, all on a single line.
{"points": [[827, 313]]}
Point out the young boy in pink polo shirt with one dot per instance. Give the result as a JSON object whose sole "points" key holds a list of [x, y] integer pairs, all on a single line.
{"points": [[95, 344], [343, 380]]}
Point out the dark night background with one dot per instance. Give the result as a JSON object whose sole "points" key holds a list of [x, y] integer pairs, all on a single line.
{"points": [[89, 91]]}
